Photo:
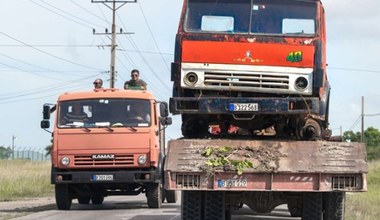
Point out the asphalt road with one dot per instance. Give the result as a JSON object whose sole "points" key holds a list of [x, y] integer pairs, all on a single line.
{"points": [[135, 208]]}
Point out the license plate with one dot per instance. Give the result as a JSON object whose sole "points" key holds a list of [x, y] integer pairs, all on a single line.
{"points": [[244, 107], [232, 183], [102, 177]]}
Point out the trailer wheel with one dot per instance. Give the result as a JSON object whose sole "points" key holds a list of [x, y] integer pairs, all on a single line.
{"points": [[97, 199], [334, 205], [171, 196], [154, 195], [191, 205], [214, 205], [62, 197], [312, 206], [84, 200]]}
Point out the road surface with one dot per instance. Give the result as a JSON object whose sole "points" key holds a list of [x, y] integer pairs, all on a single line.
{"points": [[134, 208]]}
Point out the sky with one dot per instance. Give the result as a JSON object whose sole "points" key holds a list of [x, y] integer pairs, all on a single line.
{"points": [[47, 47]]}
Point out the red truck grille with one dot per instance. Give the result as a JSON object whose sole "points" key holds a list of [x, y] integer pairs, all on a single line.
{"points": [[258, 80], [87, 160]]}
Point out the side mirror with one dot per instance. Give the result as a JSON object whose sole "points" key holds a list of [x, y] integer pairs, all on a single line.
{"points": [[166, 121], [164, 112], [46, 112], [45, 124]]}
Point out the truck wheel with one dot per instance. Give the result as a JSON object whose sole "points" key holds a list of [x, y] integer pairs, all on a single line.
{"points": [[191, 205], [62, 197], [194, 127], [214, 205], [312, 206], [334, 205], [171, 196], [97, 199], [295, 211], [84, 200], [154, 195]]}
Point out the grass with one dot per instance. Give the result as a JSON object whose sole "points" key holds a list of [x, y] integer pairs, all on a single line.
{"points": [[365, 206], [24, 179]]}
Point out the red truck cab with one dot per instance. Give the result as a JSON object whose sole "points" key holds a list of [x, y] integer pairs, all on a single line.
{"points": [[253, 64]]}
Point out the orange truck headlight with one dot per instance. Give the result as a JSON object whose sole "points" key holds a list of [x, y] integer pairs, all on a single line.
{"points": [[65, 161], [141, 159]]}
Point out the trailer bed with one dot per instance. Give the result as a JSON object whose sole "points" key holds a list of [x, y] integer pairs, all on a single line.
{"points": [[278, 165]]}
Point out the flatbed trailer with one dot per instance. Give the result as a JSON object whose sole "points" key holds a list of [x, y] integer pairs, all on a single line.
{"points": [[311, 177]]}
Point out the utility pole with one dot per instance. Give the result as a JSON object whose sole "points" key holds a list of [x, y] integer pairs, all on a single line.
{"points": [[113, 32], [13, 146], [362, 136]]}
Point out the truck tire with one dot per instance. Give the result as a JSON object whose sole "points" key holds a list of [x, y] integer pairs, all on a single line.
{"points": [[312, 206], [171, 196], [214, 207], [97, 199], [62, 197], [154, 195], [334, 205], [191, 205], [84, 200]]}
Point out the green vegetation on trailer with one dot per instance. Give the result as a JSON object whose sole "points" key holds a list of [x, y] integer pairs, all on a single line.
{"points": [[24, 179]]}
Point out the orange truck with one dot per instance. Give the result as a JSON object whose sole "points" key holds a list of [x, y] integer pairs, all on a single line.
{"points": [[249, 80], [108, 142]]}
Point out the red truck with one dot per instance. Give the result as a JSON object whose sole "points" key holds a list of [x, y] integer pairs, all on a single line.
{"points": [[108, 142], [252, 64], [249, 80]]}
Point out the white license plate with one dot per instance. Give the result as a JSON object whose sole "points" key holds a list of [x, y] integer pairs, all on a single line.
{"points": [[244, 107], [102, 177], [232, 183]]}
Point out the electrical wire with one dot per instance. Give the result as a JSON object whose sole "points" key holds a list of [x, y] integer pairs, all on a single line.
{"points": [[355, 123], [47, 53]]}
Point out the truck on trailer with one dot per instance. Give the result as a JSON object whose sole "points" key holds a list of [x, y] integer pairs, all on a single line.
{"points": [[107, 142], [250, 83]]}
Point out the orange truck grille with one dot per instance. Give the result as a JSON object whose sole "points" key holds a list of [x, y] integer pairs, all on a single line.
{"points": [[119, 160]]}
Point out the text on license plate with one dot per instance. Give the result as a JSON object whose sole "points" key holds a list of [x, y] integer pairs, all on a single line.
{"points": [[102, 177], [232, 183], [244, 107]]}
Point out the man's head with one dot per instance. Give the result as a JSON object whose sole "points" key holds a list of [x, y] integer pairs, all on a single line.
{"points": [[98, 83], [135, 74]]}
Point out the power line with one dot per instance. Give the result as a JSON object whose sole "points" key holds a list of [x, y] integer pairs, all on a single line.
{"points": [[49, 54], [355, 123], [354, 69], [64, 16]]}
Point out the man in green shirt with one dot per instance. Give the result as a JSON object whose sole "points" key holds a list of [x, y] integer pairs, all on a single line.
{"points": [[135, 82]]}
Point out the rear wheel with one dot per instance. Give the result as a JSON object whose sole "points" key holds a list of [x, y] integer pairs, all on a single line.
{"points": [[191, 205], [171, 196], [62, 197], [312, 206], [334, 205], [214, 206], [154, 195], [97, 199]]}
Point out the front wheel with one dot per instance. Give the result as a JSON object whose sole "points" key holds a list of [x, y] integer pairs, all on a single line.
{"points": [[62, 197], [154, 195], [97, 199]]}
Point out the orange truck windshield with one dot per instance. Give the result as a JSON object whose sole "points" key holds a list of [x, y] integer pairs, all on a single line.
{"points": [[94, 113], [283, 17]]}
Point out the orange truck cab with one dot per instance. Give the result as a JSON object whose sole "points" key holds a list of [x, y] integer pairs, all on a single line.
{"points": [[107, 142]]}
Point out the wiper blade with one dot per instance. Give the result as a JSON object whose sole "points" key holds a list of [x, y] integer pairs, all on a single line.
{"points": [[132, 128]]}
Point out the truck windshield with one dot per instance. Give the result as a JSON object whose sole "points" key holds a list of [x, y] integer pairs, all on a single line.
{"points": [[282, 17], [94, 113]]}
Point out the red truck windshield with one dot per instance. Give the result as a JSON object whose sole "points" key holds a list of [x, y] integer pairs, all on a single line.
{"points": [[284, 17], [104, 112]]}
